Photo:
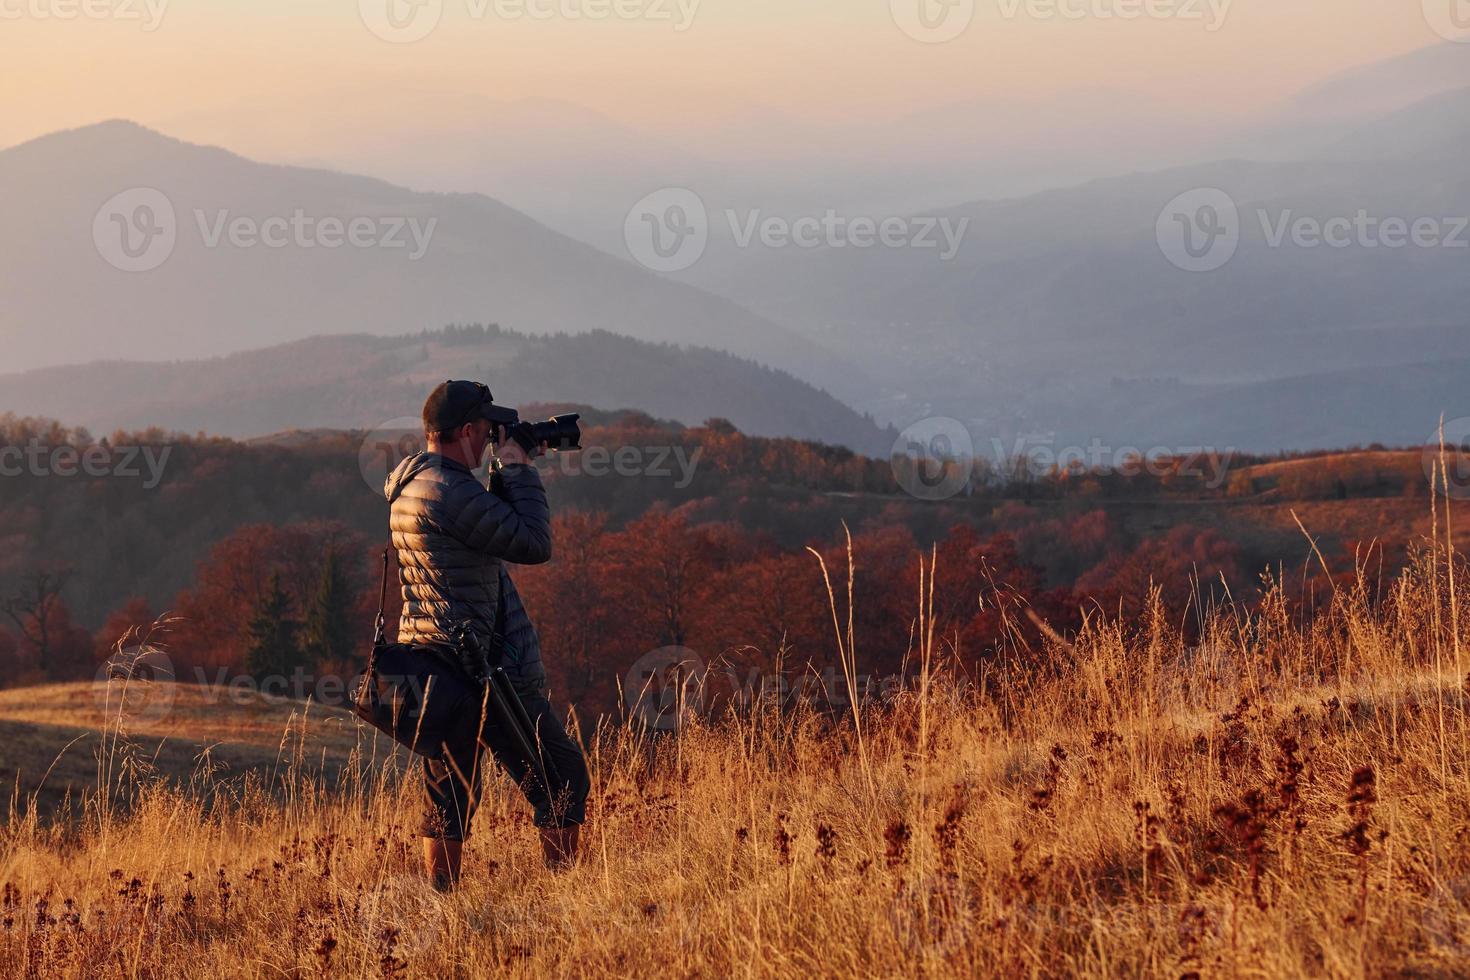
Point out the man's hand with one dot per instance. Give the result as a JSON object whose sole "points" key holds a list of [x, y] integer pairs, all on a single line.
{"points": [[511, 453]]}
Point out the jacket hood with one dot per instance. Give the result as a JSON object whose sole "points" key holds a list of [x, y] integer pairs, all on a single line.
{"points": [[405, 471]]}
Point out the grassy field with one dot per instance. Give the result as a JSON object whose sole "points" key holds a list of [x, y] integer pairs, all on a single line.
{"points": [[1263, 798]]}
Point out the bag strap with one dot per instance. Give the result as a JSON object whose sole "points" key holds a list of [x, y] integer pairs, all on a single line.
{"points": [[380, 630]]}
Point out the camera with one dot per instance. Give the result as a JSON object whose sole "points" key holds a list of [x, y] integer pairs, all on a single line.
{"points": [[561, 433]]}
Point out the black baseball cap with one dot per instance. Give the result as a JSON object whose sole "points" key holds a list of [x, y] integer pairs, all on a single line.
{"points": [[455, 403]]}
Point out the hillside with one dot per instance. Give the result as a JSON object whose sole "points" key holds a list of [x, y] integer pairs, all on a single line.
{"points": [[1266, 799], [60, 738], [357, 382]]}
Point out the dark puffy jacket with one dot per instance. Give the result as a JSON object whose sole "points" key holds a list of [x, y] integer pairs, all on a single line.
{"points": [[453, 537]]}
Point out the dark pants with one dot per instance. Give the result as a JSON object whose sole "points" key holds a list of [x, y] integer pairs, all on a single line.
{"points": [[452, 781]]}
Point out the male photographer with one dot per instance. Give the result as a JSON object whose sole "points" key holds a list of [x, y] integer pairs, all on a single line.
{"points": [[453, 536]]}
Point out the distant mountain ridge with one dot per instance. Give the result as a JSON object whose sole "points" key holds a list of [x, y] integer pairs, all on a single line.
{"points": [[359, 382], [1054, 296], [215, 292]]}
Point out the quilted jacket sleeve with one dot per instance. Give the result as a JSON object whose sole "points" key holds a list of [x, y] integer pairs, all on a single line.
{"points": [[514, 525]]}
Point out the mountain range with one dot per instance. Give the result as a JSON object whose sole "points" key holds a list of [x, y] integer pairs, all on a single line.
{"points": [[1056, 298], [358, 382], [257, 254], [1062, 314]]}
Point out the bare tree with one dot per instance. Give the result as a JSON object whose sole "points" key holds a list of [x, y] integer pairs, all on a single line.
{"points": [[36, 609]]}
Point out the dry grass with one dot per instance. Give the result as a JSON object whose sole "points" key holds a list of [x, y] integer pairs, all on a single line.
{"points": [[1265, 798]]}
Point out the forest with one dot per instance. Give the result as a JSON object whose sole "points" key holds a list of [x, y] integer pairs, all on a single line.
{"points": [[258, 558]]}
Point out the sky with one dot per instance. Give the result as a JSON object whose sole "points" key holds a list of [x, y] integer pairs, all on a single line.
{"points": [[263, 76]]}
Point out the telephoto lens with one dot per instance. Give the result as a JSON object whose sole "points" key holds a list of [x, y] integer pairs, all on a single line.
{"points": [[561, 433]]}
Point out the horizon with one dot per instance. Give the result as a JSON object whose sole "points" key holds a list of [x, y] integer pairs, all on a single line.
{"points": [[332, 77]]}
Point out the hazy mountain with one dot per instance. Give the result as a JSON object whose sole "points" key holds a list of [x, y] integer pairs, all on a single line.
{"points": [[1055, 295], [1317, 118], [359, 382], [261, 254], [1384, 86], [1400, 406], [579, 171]]}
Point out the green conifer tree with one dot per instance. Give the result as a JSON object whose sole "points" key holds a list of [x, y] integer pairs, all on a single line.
{"points": [[274, 648], [329, 617]]}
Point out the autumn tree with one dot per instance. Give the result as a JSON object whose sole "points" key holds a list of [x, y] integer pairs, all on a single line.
{"points": [[233, 580], [575, 606], [136, 617]]}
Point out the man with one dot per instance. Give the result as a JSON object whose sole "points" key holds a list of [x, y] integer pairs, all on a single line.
{"points": [[453, 537]]}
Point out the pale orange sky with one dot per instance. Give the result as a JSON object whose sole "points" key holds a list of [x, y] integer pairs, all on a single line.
{"points": [[211, 63]]}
